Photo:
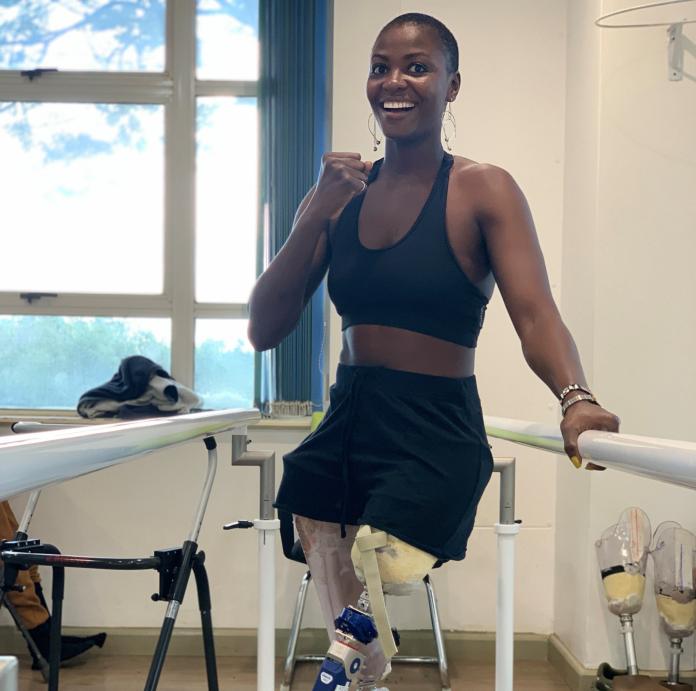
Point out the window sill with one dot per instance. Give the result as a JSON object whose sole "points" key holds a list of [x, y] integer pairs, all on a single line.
{"points": [[67, 417]]}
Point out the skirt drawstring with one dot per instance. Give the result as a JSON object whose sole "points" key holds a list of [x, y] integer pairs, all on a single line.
{"points": [[345, 446]]}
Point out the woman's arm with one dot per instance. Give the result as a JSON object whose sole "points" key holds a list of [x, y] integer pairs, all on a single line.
{"points": [[520, 272], [281, 292]]}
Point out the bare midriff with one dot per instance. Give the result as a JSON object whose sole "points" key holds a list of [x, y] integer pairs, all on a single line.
{"points": [[372, 345]]}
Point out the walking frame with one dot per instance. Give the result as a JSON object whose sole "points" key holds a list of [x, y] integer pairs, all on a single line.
{"points": [[173, 565]]}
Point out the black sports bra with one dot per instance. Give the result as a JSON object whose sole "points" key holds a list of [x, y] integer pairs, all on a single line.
{"points": [[415, 284]]}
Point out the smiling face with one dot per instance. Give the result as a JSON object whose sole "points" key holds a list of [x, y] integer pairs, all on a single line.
{"points": [[409, 83]]}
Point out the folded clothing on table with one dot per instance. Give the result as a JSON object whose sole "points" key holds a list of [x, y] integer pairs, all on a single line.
{"points": [[140, 388]]}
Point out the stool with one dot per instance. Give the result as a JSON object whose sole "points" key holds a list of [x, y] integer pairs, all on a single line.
{"points": [[296, 554]]}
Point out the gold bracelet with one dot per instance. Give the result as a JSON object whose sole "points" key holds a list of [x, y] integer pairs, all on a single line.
{"points": [[577, 399]]}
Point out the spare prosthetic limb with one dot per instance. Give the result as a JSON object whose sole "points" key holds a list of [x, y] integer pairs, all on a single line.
{"points": [[384, 564], [673, 557], [622, 552]]}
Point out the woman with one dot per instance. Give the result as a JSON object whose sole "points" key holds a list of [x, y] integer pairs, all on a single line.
{"points": [[414, 246]]}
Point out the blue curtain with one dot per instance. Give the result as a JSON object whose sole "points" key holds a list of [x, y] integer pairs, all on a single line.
{"points": [[295, 38]]}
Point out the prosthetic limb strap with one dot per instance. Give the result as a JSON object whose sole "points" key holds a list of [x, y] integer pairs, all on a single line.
{"points": [[367, 543]]}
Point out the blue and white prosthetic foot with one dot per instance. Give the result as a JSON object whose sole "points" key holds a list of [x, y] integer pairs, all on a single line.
{"points": [[354, 630]]}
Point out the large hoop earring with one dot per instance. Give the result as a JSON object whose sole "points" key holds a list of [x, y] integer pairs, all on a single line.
{"points": [[449, 121], [372, 128]]}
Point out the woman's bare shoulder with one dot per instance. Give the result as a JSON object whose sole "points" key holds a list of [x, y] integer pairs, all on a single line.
{"points": [[487, 184], [486, 174]]}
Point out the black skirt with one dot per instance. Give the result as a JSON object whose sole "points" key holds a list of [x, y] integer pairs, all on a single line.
{"points": [[403, 452]]}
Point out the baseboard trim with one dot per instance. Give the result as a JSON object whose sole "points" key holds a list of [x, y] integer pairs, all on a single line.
{"points": [[577, 677], [461, 645]]}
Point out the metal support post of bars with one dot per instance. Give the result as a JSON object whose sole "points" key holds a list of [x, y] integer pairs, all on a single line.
{"points": [[267, 525], [506, 530]]}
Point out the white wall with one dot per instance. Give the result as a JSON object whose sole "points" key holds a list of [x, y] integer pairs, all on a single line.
{"points": [[628, 282]]}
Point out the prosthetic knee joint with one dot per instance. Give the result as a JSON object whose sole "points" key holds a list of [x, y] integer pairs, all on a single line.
{"points": [[384, 564]]}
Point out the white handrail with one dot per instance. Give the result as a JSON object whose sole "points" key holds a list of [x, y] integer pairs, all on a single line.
{"points": [[32, 461], [668, 460]]}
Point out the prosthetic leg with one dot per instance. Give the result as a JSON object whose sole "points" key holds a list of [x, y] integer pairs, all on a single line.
{"points": [[355, 629], [622, 552], [673, 556], [382, 563]]}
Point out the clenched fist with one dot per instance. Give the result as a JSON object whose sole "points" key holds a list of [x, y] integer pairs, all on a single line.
{"points": [[342, 176]]}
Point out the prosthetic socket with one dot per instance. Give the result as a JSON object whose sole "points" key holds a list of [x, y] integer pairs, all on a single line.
{"points": [[673, 555], [622, 552], [384, 564], [673, 551]]}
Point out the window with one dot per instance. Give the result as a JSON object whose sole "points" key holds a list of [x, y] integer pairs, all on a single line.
{"points": [[128, 132]]}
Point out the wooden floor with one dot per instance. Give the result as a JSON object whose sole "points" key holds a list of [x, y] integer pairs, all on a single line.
{"points": [[108, 673]]}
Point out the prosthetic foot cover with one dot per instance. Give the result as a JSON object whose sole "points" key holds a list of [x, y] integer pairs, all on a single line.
{"points": [[386, 564], [332, 677], [354, 629]]}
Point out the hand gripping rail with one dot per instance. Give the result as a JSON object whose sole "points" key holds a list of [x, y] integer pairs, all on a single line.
{"points": [[667, 460]]}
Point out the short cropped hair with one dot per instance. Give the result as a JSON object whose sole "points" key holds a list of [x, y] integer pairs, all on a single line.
{"points": [[449, 43]]}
